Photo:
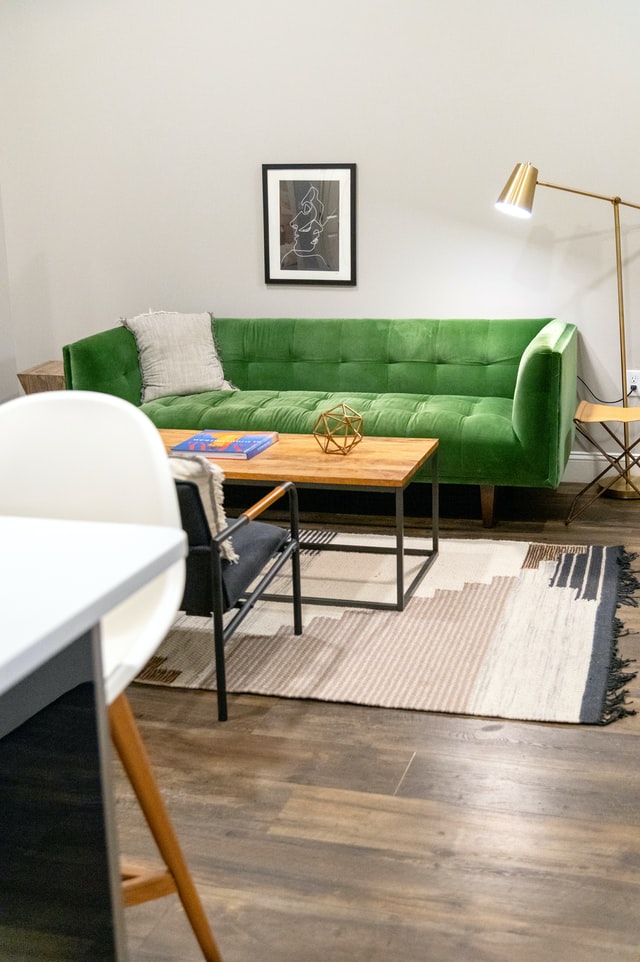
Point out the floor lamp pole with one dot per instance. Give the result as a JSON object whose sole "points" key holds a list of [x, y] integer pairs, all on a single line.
{"points": [[623, 339], [624, 489]]}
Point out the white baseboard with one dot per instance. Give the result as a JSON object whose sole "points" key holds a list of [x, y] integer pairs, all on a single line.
{"points": [[583, 467]]}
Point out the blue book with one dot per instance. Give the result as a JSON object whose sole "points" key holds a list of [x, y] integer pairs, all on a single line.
{"points": [[228, 444]]}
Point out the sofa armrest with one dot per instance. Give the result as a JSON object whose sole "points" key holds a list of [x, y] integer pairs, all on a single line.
{"points": [[105, 362], [544, 400]]}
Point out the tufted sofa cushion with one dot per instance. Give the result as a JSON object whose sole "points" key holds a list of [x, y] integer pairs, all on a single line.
{"points": [[471, 430]]}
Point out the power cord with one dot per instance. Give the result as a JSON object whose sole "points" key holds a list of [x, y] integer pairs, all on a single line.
{"points": [[632, 390]]}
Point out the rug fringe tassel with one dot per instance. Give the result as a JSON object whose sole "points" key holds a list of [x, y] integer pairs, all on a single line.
{"points": [[629, 582], [615, 705]]}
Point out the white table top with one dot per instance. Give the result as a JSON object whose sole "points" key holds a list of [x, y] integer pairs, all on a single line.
{"points": [[58, 578]]}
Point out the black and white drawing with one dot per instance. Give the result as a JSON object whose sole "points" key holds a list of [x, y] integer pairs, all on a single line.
{"points": [[309, 223]]}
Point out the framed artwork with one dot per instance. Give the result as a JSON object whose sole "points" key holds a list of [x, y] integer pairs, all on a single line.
{"points": [[309, 223]]}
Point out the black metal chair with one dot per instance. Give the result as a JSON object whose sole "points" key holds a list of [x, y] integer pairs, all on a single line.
{"points": [[215, 586]]}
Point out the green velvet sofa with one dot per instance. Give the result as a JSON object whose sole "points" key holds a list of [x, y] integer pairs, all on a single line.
{"points": [[499, 395]]}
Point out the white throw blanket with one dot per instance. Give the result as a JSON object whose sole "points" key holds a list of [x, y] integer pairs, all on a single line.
{"points": [[209, 478]]}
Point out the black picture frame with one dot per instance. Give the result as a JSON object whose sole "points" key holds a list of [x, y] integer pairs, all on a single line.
{"points": [[309, 213]]}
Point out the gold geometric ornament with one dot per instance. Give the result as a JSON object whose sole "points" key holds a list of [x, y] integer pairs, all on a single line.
{"points": [[338, 430]]}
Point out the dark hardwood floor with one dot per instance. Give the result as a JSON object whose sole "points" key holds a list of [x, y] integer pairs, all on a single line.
{"points": [[332, 832]]}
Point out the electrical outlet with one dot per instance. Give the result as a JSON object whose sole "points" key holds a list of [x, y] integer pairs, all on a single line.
{"points": [[633, 382]]}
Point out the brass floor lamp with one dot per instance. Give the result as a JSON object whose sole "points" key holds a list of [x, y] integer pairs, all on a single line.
{"points": [[517, 199]]}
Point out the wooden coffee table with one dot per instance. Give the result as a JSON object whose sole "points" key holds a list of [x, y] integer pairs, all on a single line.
{"points": [[375, 464]]}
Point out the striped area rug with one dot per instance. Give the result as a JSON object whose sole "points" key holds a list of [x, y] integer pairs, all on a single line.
{"points": [[497, 629]]}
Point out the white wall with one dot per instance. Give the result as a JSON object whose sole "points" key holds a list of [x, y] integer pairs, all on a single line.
{"points": [[134, 133]]}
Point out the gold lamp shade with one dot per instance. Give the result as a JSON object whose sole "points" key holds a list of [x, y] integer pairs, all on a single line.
{"points": [[517, 197]]}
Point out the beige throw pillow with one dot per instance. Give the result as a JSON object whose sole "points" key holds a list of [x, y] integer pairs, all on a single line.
{"points": [[177, 354], [209, 478]]}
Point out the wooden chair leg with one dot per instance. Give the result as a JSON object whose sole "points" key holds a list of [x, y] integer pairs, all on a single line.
{"points": [[135, 761]]}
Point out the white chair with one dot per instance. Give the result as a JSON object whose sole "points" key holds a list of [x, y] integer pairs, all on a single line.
{"points": [[89, 456]]}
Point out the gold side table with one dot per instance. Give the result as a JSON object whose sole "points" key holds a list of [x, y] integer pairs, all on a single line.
{"points": [[622, 484], [48, 376]]}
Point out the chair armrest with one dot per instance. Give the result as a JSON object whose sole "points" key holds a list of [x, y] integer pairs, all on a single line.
{"points": [[253, 512], [274, 495]]}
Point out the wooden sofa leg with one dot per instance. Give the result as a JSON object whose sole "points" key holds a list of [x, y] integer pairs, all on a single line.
{"points": [[487, 503]]}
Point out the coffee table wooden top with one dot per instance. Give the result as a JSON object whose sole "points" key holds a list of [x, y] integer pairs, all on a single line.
{"points": [[380, 462]]}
